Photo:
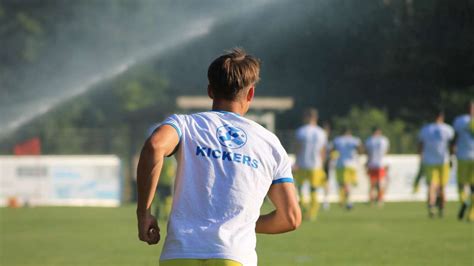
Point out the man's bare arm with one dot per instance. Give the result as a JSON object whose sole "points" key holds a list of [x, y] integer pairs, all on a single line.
{"points": [[287, 214], [323, 154], [162, 143]]}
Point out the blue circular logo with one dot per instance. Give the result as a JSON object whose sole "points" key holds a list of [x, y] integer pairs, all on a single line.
{"points": [[231, 137]]}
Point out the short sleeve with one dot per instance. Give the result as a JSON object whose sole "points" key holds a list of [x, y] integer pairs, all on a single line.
{"points": [[282, 172], [325, 138], [176, 122], [299, 135], [357, 142], [456, 124], [450, 132], [387, 143]]}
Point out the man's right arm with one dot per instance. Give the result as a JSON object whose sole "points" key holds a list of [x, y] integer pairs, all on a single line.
{"points": [[287, 214], [160, 144]]}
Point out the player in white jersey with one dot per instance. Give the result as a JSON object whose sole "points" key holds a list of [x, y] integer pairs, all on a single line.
{"points": [[311, 151], [347, 147], [464, 146], [434, 140], [376, 146], [227, 164]]}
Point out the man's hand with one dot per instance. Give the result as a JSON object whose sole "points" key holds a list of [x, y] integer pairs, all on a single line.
{"points": [[148, 229]]}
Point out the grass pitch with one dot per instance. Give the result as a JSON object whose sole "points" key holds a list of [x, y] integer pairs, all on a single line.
{"points": [[398, 234]]}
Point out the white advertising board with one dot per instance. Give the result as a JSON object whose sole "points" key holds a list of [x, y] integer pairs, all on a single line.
{"points": [[61, 180], [399, 181]]}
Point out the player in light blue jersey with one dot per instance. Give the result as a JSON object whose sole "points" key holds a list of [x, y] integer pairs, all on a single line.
{"points": [[434, 140], [464, 146], [376, 146], [309, 167], [347, 147], [226, 166]]}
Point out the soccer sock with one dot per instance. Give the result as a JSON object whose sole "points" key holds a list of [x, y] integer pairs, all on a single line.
{"points": [[168, 204], [378, 189], [418, 178], [313, 212], [342, 196], [471, 208], [380, 196], [462, 193], [347, 195]]}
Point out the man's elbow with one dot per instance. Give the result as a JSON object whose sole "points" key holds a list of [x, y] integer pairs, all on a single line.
{"points": [[294, 219]]}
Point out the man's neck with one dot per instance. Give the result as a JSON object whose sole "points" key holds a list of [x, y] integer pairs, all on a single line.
{"points": [[229, 106]]}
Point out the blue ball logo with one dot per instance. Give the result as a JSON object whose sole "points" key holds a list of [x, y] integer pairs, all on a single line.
{"points": [[231, 137]]}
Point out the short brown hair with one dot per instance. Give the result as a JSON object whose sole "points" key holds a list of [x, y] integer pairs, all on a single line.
{"points": [[310, 114], [230, 73]]}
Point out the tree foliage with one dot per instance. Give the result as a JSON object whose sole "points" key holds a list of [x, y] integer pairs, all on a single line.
{"points": [[397, 59], [363, 120]]}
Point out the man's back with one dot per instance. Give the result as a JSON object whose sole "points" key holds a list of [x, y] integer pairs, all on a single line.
{"points": [[311, 139], [435, 138], [376, 147], [226, 165], [465, 137], [347, 146]]}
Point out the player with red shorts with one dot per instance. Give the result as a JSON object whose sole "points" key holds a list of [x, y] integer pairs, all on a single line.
{"points": [[376, 146]]}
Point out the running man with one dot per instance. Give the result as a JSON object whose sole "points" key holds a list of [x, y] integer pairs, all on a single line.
{"points": [[227, 164], [434, 141], [347, 147], [311, 151], [376, 147], [464, 146]]}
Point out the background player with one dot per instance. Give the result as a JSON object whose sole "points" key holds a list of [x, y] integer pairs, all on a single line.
{"points": [[164, 190], [329, 163], [227, 164], [376, 147], [311, 151], [464, 146], [347, 147], [434, 141]]}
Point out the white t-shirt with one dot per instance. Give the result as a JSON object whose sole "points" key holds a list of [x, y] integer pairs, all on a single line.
{"points": [[226, 165], [376, 147], [465, 138], [346, 145], [435, 138], [311, 139]]}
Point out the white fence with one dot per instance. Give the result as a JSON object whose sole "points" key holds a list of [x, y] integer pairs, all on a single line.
{"points": [[97, 181], [401, 174], [61, 180]]}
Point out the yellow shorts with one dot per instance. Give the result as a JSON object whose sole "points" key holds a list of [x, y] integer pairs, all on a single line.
{"points": [[437, 174], [465, 172], [346, 176], [199, 262], [316, 177]]}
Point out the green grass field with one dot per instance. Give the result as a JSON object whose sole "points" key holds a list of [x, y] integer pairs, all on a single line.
{"points": [[399, 234]]}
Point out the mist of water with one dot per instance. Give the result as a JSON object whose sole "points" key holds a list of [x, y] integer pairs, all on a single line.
{"points": [[74, 69], [31, 110]]}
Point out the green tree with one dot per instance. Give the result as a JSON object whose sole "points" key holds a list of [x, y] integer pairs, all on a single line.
{"points": [[362, 120]]}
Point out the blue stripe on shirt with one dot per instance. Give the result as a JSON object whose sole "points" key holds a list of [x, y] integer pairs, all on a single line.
{"points": [[175, 127], [283, 180]]}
